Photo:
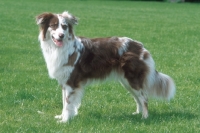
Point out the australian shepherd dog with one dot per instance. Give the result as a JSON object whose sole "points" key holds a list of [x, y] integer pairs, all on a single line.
{"points": [[76, 61]]}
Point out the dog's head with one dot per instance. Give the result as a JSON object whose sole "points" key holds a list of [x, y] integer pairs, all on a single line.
{"points": [[57, 27]]}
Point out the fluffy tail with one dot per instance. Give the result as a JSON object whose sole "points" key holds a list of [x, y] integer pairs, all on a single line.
{"points": [[162, 86]]}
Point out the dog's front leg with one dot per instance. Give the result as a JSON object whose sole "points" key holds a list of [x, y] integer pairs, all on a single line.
{"points": [[64, 102], [71, 102]]}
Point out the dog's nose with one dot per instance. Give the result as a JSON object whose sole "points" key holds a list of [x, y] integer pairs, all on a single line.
{"points": [[61, 35]]}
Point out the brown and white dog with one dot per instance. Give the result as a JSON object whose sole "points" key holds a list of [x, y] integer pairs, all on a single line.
{"points": [[77, 61]]}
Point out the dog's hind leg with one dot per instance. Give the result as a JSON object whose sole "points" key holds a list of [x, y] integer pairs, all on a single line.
{"points": [[142, 103], [139, 97], [139, 105]]}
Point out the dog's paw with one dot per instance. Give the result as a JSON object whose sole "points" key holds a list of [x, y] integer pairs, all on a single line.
{"points": [[58, 116], [145, 115], [61, 121], [135, 113], [64, 117]]}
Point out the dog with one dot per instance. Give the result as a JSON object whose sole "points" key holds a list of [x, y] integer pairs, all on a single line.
{"points": [[76, 62]]}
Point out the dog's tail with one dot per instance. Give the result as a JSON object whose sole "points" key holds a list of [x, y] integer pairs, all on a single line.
{"points": [[159, 85], [163, 86]]}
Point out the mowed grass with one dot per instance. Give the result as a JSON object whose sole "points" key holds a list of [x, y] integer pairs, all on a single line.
{"points": [[29, 99]]}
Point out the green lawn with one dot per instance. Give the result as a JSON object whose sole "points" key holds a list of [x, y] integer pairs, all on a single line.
{"points": [[171, 32]]}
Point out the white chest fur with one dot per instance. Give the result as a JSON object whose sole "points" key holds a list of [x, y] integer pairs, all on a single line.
{"points": [[56, 58]]}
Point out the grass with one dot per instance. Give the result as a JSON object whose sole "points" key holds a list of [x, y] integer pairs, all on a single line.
{"points": [[169, 31]]}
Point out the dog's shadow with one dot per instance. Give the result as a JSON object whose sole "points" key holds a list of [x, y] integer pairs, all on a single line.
{"points": [[154, 117]]}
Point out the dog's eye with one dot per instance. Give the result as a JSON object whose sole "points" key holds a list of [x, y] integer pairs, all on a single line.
{"points": [[53, 26], [64, 27]]}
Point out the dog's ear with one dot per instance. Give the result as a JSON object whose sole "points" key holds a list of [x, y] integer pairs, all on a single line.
{"points": [[43, 21], [70, 18], [43, 18]]}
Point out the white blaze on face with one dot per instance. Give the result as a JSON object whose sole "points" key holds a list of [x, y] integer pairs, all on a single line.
{"points": [[61, 32]]}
